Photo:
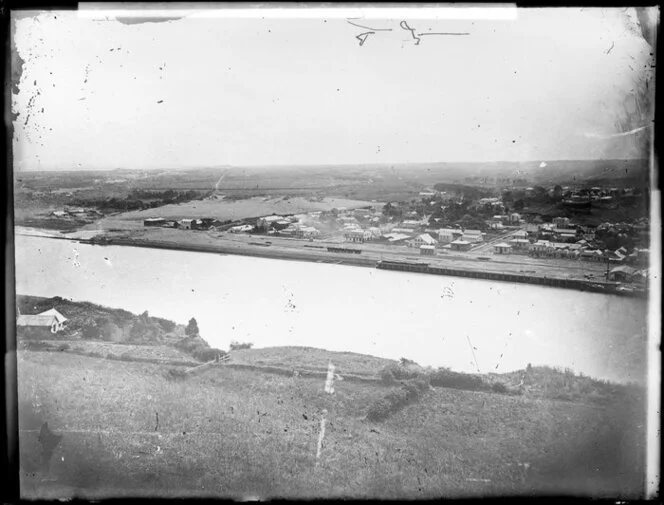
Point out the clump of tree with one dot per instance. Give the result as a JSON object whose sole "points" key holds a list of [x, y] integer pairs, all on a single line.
{"points": [[192, 328], [236, 346], [195, 346]]}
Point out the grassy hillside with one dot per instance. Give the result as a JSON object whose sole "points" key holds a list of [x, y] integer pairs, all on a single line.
{"points": [[134, 429]]}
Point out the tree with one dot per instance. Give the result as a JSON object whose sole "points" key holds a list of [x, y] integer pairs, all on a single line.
{"points": [[192, 327], [518, 205], [557, 192]]}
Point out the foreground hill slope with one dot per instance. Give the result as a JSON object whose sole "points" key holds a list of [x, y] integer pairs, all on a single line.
{"points": [[131, 429]]}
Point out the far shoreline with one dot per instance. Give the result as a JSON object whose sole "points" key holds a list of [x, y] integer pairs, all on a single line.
{"points": [[357, 260]]}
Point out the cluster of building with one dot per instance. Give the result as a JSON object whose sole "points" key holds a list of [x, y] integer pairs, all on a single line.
{"points": [[563, 239], [76, 212], [204, 223]]}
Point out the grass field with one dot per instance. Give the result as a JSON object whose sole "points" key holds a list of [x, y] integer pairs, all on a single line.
{"points": [[226, 210], [129, 431]]}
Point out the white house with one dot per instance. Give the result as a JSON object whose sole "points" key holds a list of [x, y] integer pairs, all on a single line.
{"points": [[185, 224], [51, 319]]}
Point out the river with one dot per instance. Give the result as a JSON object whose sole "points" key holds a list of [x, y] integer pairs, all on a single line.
{"points": [[465, 324]]}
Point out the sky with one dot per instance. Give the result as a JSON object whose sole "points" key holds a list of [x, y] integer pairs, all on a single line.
{"points": [[208, 90]]}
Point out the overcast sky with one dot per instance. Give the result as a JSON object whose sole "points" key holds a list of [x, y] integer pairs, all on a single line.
{"points": [[206, 91]]}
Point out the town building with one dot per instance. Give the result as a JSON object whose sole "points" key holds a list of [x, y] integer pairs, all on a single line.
{"points": [[185, 224], [307, 232], [396, 237], [357, 235], [520, 245], [241, 228], [561, 222], [591, 255], [502, 248], [427, 250], [267, 222], [461, 245], [515, 218], [422, 239], [472, 236], [447, 235], [541, 247], [521, 234]]}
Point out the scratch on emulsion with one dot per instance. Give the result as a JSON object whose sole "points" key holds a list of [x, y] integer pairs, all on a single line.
{"points": [[329, 388]]}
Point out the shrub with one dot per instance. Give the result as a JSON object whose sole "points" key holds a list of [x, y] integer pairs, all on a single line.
{"points": [[446, 378], [499, 387], [207, 354], [396, 372], [397, 398], [175, 374], [236, 346]]}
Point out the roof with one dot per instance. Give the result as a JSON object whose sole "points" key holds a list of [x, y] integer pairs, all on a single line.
{"points": [[270, 219], [427, 247], [461, 242], [472, 232], [502, 244], [35, 320], [186, 220], [155, 219], [426, 238], [520, 241], [393, 237], [52, 312]]}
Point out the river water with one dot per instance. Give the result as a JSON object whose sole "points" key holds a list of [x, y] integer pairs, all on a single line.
{"points": [[465, 324]]}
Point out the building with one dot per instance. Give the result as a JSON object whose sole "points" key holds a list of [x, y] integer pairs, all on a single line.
{"points": [[592, 255], [541, 247], [281, 224], [622, 273], [447, 235], [514, 218], [357, 235], [561, 222], [266, 222], [396, 237], [427, 250], [41, 325], [307, 232], [502, 248], [461, 245], [423, 239], [185, 224], [521, 234], [154, 221], [241, 229], [472, 236], [520, 244], [59, 213]]}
